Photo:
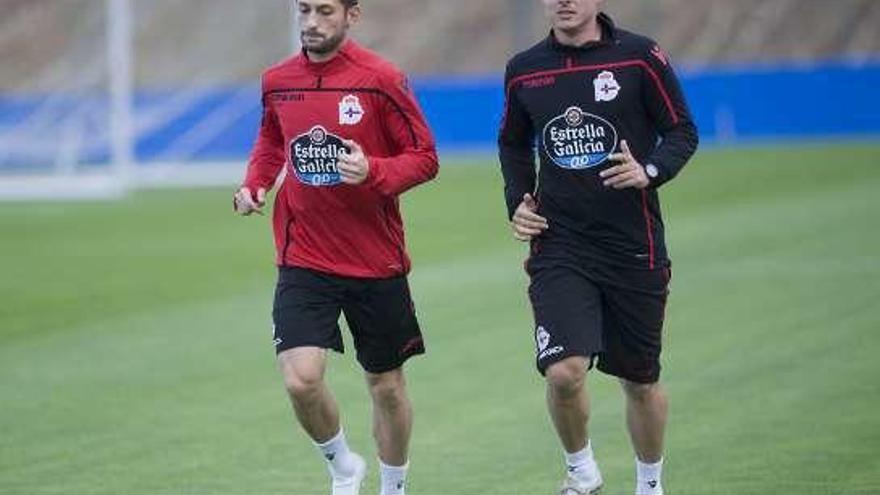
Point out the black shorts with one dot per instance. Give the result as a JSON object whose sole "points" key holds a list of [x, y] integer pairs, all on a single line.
{"points": [[614, 316], [379, 312]]}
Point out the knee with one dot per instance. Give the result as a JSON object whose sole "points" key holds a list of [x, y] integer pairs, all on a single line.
{"points": [[302, 369], [641, 392], [302, 386], [567, 376], [388, 390]]}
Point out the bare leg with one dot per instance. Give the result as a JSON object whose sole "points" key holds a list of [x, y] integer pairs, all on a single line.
{"points": [[568, 401], [303, 372], [646, 411], [392, 416]]}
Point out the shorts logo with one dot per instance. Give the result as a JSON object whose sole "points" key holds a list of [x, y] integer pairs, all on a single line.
{"points": [[605, 86], [350, 110], [313, 157], [542, 339], [276, 340], [578, 140]]}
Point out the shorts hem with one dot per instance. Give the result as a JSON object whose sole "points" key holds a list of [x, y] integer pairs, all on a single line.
{"points": [[385, 368], [643, 379], [589, 356], [331, 347]]}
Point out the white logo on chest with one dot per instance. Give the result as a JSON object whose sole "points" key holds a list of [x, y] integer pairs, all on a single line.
{"points": [[606, 86], [350, 110]]}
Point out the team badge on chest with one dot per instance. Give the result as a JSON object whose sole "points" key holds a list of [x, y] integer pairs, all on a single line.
{"points": [[606, 86], [350, 110]]}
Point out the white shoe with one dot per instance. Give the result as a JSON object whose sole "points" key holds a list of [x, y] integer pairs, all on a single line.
{"points": [[572, 486], [351, 485], [652, 487]]}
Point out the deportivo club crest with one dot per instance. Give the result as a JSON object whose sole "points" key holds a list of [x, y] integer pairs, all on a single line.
{"points": [[605, 86], [542, 341], [578, 140], [313, 157], [350, 110], [542, 338]]}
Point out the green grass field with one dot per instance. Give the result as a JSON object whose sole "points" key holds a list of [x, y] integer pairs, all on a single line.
{"points": [[135, 353]]}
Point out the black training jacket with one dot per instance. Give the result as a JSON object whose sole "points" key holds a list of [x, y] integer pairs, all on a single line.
{"points": [[573, 106]]}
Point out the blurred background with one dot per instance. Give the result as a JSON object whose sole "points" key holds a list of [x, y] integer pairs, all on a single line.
{"points": [[90, 86], [135, 328]]}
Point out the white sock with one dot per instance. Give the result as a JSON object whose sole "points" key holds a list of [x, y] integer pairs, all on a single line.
{"points": [[340, 462], [393, 478], [581, 465], [648, 476]]}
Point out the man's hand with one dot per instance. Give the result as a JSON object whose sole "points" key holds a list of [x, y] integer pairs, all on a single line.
{"points": [[353, 166], [629, 173], [244, 202], [526, 222]]}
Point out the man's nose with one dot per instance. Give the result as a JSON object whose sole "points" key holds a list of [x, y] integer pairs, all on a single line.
{"points": [[308, 21]]}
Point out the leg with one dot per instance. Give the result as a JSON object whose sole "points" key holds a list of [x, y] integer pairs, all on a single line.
{"points": [[646, 410], [381, 316], [633, 338], [303, 371], [305, 314], [568, 323], [392, 415], [569, 406], [316, 410], [568, 401], [386, 333]]}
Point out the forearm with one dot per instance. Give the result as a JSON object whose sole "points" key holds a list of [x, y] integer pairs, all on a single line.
{"points": [[675, 149], [391, 176], [518, 170]]}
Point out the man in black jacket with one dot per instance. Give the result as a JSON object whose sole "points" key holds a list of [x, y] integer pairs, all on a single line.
{"points": [[605, 113]]}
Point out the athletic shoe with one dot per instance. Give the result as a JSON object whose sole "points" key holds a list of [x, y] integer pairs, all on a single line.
{"points": [[352, 484], [572, 486]]}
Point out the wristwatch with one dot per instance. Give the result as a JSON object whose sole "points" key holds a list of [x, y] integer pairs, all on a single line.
{"points": [[652, 171]]}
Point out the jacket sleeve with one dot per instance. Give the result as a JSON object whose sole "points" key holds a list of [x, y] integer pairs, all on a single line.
{"points": [[668, 110], [267, 155], [414, 155], [516, 150]]}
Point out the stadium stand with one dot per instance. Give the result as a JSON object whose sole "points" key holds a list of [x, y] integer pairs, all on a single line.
{"points": [[426, 37]]}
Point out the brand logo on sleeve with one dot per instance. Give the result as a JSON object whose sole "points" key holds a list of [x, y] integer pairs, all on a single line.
{"points": [[350, 110], [578, 140], [605, 86], [660, 55], [313, 157]]}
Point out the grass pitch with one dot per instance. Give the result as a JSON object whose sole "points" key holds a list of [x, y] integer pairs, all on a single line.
{"points": [[135, 353]]}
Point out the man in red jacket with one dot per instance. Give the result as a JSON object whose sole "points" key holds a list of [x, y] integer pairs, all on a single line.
{"points": [[348, 131]]}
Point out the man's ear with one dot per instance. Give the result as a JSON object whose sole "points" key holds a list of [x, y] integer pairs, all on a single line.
{"points": [[354, 14]]}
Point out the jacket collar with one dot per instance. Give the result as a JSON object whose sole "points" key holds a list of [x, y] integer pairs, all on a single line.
{"points": [[339, 61], [606, 26]]}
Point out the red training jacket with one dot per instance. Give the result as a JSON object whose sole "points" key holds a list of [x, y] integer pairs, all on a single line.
{"points": [[308, 108]]}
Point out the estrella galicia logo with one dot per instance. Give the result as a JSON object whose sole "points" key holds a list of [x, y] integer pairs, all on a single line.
{"points": [[313, 157], [578, 140]]}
